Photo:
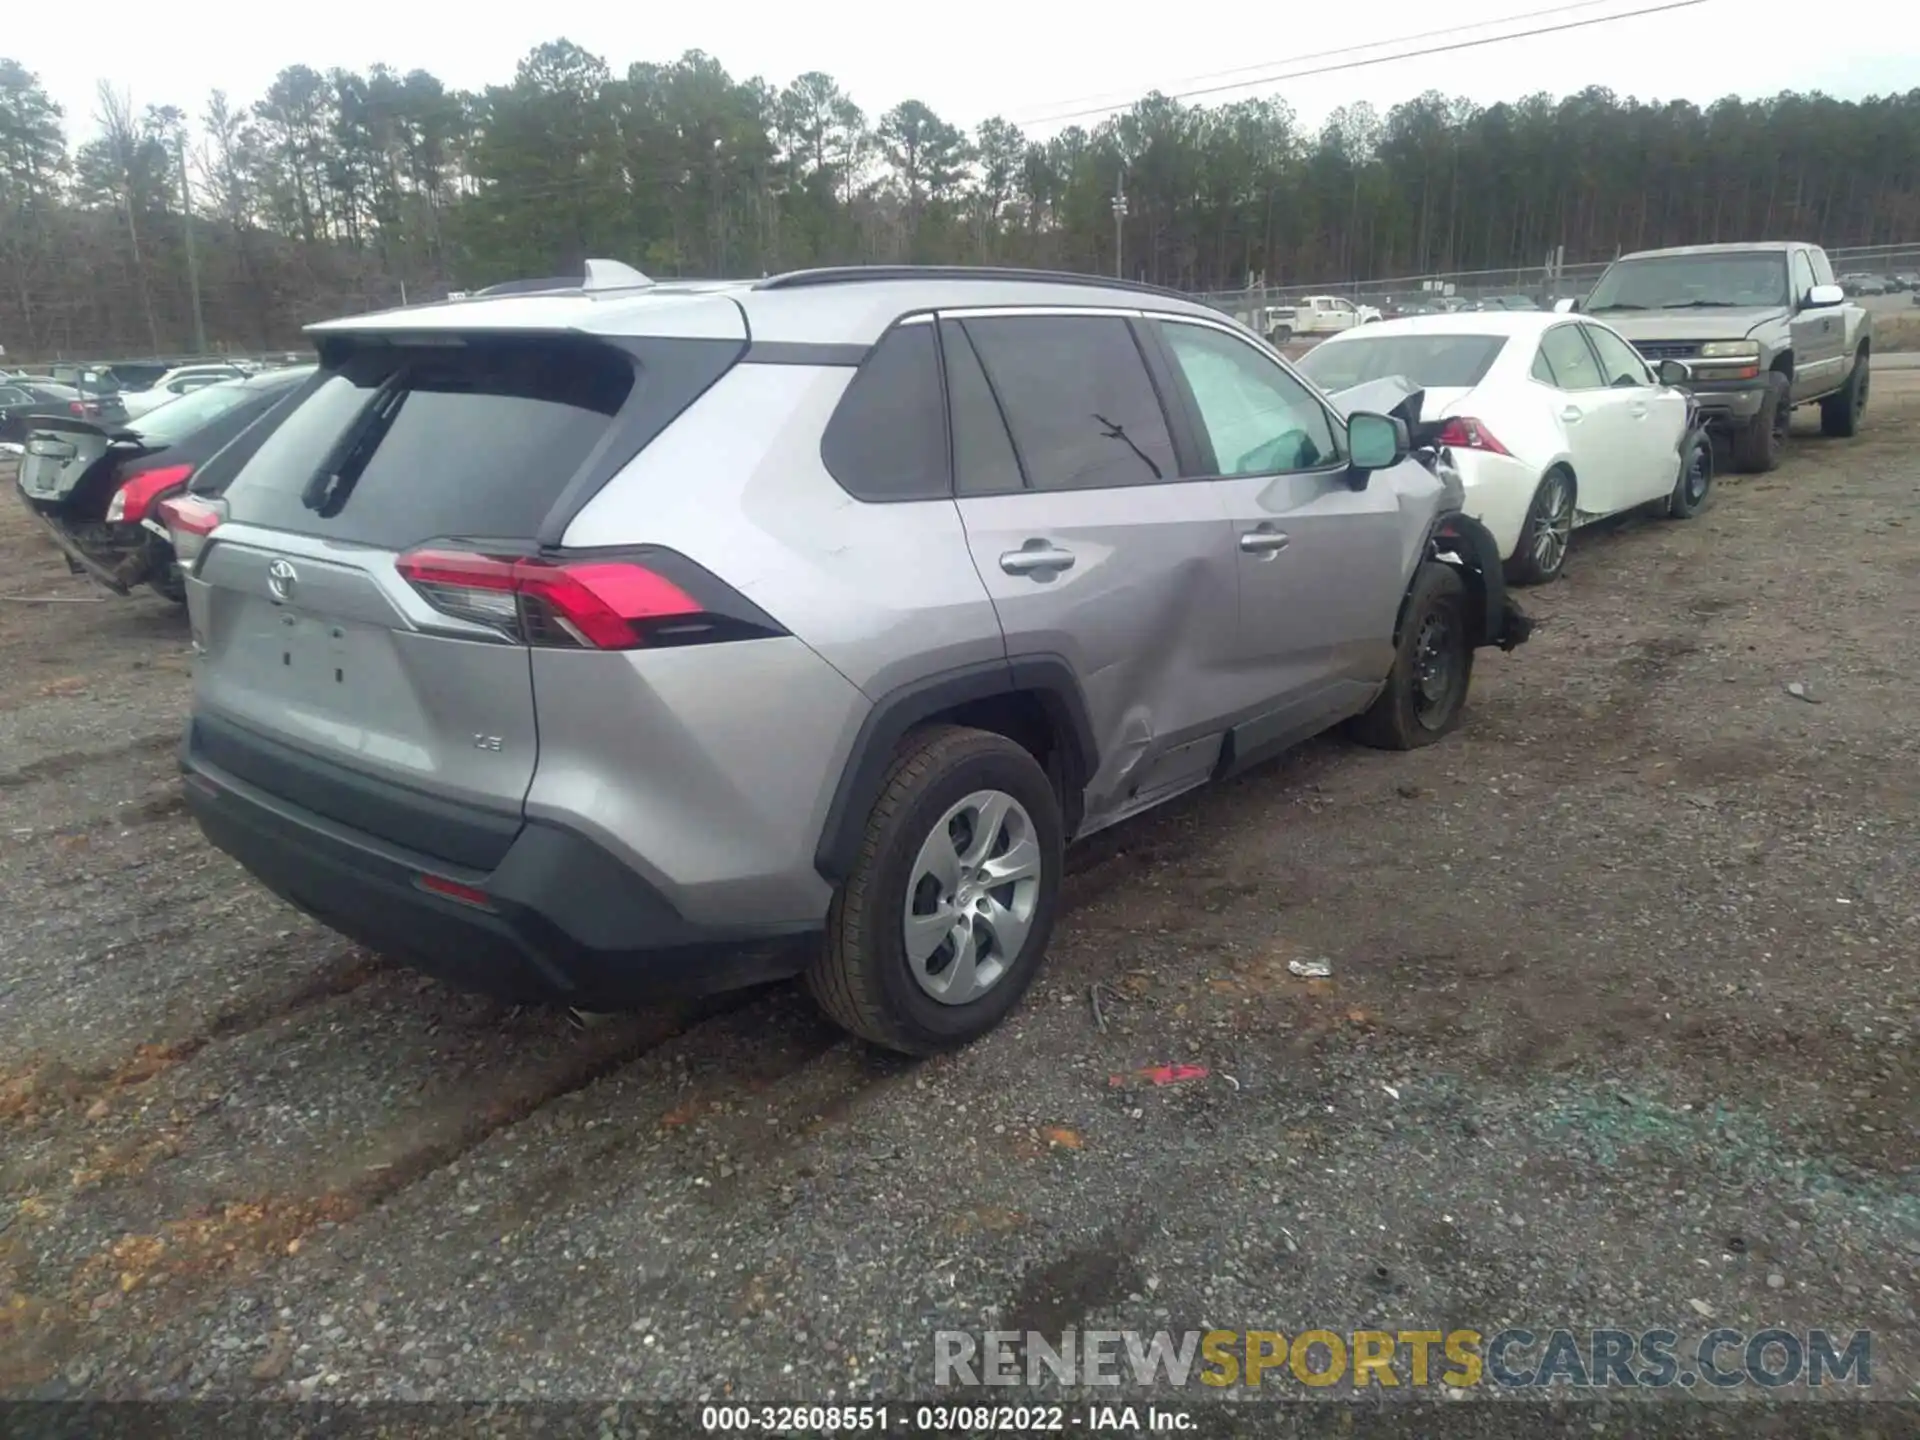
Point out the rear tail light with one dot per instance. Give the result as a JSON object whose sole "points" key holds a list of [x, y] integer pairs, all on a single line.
{"points": [[74, 407], [613, 604], [1462, 433], [189, 521], [133, 500]]}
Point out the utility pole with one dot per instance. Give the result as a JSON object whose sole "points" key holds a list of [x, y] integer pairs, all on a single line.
{"points": [[193, 259], [1119, 223]]}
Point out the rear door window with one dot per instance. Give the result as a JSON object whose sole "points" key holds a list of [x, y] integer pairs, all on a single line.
{"points": [[402, 444], [1572, 359], [1078, 400], [983, 458]]}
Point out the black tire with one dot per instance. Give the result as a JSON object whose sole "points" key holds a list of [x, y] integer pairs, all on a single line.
{"points": [[862, 978], [1280, 334], [1840, 414], [1757, 445], [1401, 716], [168, 584], [1693, 487], [1556, 490]]}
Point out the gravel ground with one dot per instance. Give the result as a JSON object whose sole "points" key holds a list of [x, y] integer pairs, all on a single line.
{"points": [[1620, 1030]]}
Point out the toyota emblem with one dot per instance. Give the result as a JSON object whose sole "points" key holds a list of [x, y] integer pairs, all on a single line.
{"points": [[280, 578]]}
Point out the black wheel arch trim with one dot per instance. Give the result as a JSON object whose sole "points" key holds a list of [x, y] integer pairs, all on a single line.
{"points": [[1501, 620], [1048, 678]]}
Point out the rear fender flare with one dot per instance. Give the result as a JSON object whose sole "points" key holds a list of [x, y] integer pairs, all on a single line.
{"points": [[1048, 678], [1455, 537]]}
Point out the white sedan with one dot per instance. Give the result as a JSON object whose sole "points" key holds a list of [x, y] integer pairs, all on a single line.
{"points": [[1553, 420]]}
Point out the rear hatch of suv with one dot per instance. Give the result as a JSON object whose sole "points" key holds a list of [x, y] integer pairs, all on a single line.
{"points": [[363, 611]]}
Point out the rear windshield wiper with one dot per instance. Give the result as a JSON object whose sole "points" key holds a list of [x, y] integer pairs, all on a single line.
{"points": [[327, 491]]}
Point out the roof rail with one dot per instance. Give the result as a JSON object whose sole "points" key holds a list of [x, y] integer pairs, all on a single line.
{"points": [[523, 287], [597, 277], [853, 274]]}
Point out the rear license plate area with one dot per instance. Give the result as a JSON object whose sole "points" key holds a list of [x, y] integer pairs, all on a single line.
{"points": [[315, 658], [40, 470]]}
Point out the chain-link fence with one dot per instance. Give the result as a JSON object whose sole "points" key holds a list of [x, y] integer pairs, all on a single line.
{"points": [[1541, 284]]}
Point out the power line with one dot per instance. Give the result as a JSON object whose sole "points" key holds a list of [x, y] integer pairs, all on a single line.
{"points": [[1328, 54], [1385, 59]]}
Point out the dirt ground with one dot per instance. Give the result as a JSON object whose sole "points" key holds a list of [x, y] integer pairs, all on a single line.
{"points": [[1621, 1029]]}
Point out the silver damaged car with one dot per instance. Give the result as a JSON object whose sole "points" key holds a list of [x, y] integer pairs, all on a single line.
{"points": [[602, 640]]}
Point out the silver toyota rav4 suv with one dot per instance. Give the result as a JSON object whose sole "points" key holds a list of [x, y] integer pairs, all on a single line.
{"points": [[606, 640]]}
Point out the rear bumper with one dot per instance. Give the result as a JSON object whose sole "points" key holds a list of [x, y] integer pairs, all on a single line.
{"points": [[557, 919], [120, 573]]}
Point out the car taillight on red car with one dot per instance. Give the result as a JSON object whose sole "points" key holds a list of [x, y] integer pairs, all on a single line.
{"points": [[133, 500], [1463, 433], [599, 604]]}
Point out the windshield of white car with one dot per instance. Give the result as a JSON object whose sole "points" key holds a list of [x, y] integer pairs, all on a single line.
{"points": [[1433, 361], [1691, 282]]}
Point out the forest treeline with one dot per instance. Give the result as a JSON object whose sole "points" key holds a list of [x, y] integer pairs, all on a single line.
{"points": [[339, 191]]}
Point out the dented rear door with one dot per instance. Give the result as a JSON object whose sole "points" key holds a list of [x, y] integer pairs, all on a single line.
{"points": [[1093, 548]]}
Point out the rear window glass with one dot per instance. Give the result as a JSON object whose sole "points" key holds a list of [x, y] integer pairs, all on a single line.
{"points": [[1439, 361], [172, 422], [404, 444]]}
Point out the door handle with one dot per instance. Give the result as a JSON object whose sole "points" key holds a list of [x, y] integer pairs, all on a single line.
{"points": [[1036, 557], [1638, 411], [1264, 541], [1571, 414]]}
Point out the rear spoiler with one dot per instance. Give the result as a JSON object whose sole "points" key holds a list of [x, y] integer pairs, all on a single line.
{"points": [[1394, 396], [54, 421]]}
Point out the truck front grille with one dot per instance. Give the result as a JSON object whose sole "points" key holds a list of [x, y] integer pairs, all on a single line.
{"points": [[1657, 350]]}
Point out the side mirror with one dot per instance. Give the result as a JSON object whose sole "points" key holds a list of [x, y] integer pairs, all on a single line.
{"points": [[1566, 306], [1821, 296], [1674, 372], [1375, 442]]}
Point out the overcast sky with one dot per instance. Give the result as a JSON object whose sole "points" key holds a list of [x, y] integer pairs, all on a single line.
{"points": [[1028, 60]]}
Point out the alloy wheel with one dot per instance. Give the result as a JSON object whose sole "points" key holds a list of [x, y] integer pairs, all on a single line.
{"points": [[1551, 529]]}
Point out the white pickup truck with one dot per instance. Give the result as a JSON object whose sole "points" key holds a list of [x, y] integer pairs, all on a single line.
{"points": [[1315, 315]]}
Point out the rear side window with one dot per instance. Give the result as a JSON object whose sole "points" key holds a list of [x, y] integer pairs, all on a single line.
{"points": [[983, 458], [887, 439], [1078, 400], [401, 444], [1439, 361]]}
